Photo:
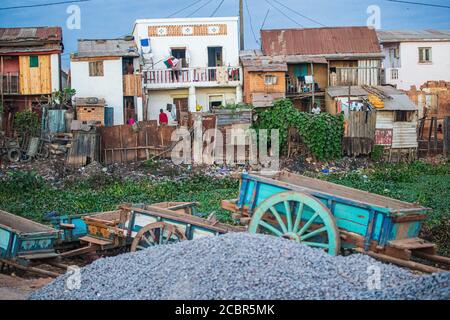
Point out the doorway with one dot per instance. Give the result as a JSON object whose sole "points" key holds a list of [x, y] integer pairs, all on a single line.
{"points": [[215, 57], [181, 105], [180, 54], [129, 109]]}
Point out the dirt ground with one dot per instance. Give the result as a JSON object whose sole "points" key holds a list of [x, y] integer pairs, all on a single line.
{"points": [[16, 288]]}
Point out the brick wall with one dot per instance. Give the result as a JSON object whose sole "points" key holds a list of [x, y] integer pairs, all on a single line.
{"points": [[90, 113]]}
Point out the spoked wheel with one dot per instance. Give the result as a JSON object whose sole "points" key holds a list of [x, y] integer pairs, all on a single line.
{"points": [[298, 217], [155, 234]]}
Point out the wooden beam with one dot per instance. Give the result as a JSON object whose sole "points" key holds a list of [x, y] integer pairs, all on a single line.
{"points": [[400, 262]]}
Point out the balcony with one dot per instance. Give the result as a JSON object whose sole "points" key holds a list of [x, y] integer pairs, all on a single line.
{"points": [[9, 83], [198, 77], [356, 76], [296, 87]]}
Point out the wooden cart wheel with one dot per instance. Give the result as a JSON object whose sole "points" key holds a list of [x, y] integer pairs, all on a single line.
{"points": [[155, 234], [298, 217]]}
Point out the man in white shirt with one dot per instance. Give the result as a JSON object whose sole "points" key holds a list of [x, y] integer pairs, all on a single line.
{"points": [[316, 109]]}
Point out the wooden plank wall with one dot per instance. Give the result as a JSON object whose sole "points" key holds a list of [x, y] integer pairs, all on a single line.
{"points": [[85, 148], [359, 135], [121, 144], [132, 85], [35, 80]]}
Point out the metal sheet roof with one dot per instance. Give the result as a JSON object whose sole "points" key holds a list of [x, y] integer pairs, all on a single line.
{"points": [[39, 39], [106, 48], [256, 62], [398, 99], [342, 91], [320, 41], [413, 35]]}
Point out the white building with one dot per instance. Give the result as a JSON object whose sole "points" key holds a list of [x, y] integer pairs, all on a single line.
{"points": [[415, 57], [209, 54], [109, 69]]}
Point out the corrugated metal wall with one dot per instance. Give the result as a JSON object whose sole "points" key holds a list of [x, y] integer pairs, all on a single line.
{"points": [[403, 134]]}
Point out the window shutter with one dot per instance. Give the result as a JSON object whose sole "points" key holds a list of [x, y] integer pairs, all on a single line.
{"points": [[34, 61]]}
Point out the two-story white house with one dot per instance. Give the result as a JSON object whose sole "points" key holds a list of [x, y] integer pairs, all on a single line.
{"points": [[209, 74], [414, 57], [107, 70]]}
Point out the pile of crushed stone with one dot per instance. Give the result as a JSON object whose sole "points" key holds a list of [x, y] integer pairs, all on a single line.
{"points": [[244, 266]]}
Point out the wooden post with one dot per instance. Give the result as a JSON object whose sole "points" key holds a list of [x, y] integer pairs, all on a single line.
{"points": [[313, 85], [446, 131], [1, 90], [241, 25]]}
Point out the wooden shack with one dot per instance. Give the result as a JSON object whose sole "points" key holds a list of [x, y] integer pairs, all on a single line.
{"points": [[396, 115], [264, 78]]}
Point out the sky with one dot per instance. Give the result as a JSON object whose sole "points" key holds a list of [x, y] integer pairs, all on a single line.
{"points": [[114, 18]]}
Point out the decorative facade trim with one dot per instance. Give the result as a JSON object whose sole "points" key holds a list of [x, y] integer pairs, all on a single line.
{"points": [[188, 30]]}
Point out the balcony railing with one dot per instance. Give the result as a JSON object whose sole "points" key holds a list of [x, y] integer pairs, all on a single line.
{"points": [[356, 76], [294, 86], [9, 83], [213, 75]]}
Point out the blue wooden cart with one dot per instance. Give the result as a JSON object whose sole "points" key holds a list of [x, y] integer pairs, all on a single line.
{"points": [[333, 217], [139, 226], [25, 244]]}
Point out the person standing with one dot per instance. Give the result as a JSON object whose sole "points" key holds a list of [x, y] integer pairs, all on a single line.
{"points": [[316, 109], [176, 68], [163, 119]]}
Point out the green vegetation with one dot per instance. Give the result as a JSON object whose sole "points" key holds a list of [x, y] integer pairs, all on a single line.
{"points": [[28, 195], [426, 184], [321, 133], [26, 123]]}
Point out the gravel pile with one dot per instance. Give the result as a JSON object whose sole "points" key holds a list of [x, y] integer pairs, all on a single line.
{"points": [[244, 266]]}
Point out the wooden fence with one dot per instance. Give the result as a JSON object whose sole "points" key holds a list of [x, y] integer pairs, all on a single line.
{"points": [[126, 144], [359, 133]]}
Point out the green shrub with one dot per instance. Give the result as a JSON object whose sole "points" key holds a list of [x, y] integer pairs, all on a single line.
{"points": [[321, 133], [26, 123]]}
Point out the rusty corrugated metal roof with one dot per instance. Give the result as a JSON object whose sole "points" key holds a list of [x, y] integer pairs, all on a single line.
{"points": [[17, 40], [320, 41], [256, 62]]}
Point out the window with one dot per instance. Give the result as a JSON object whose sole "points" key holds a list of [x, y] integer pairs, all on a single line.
{"points": [[34, 61], [96, 69], [216, 101], [270, 79], [402, 116], [394, 74], [424, 55]]}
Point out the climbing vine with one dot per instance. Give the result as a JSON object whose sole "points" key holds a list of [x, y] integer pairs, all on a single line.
{"points": [[321, 133]]}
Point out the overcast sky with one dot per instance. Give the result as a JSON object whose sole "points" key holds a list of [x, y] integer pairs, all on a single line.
{"points": [[114, 18]]}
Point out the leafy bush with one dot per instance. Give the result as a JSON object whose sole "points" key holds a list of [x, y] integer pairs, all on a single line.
{"points": [[321, 133], [26, 123]]}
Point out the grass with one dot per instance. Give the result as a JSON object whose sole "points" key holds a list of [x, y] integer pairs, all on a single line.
{"points": [[27, 194], [426, 184]]}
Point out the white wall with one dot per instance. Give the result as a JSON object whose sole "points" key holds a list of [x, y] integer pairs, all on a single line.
{"points": [[109, 87], [159, 99], [55, 69], [196, 46], [414, 73]]}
